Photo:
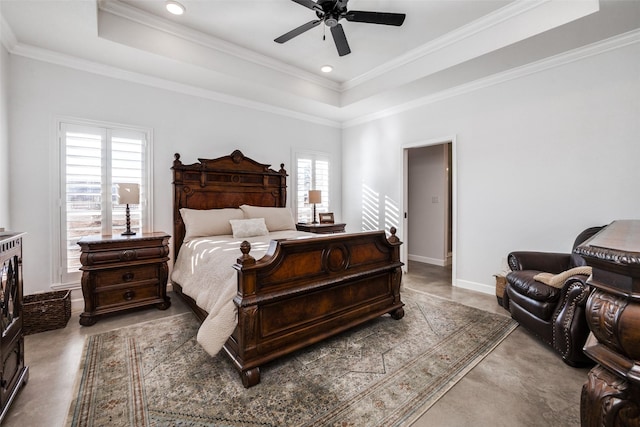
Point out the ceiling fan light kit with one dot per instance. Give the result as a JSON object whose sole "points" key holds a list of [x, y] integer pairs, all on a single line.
{"points": [[331, 12]]}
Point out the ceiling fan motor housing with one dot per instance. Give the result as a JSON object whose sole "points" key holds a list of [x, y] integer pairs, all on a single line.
{"points": [[332, 11]]}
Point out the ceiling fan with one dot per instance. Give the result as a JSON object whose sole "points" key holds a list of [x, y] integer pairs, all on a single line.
{"points": [[331, 12]]}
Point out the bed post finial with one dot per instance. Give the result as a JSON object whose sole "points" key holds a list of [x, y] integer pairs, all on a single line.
{"points": [[176, 159], [246, 259], [393, 238]]}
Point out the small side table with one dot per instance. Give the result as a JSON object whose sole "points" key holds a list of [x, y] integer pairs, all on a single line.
{"points": [[321, 228], [123, 272]]}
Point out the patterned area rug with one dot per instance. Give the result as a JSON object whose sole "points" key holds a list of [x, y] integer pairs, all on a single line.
{"points": [[384, 373]]}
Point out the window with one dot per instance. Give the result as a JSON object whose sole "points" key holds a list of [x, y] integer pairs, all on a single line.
{"points": [[312, 173], [94, 159]]}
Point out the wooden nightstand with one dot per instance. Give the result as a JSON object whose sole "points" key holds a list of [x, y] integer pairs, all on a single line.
{"points": [[123, 272], [321, 228]]}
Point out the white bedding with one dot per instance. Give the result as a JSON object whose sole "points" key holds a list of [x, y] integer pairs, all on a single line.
{"points": [[204, 270]]}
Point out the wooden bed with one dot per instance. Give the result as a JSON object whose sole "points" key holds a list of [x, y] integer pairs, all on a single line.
{"points": [[301, 291]]}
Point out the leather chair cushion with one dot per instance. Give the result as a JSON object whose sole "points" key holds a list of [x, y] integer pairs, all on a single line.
{"points": [[536, 297], [539, 327]]}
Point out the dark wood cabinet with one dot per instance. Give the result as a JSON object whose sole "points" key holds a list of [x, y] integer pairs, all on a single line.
{"points": [[321, 228], [14, 373], [123, 272], [611, 394]]}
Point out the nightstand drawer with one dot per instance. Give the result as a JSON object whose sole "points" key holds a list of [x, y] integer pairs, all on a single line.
{"points": [[127, 295], [125, 275], [125, 255], [321, 228]]}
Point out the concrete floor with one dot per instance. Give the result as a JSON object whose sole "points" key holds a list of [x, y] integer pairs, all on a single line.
{"points": [[520, 383]]}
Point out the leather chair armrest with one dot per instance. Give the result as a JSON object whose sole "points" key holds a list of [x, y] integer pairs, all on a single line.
{"points": [[549, 262], [570, 328]]}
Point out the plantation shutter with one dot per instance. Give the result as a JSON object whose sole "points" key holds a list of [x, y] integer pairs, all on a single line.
{"points": [[312, 173], [94, 160]]}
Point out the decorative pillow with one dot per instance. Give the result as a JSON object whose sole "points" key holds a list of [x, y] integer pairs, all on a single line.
{"points": [[276, 219], [248, 227], [557, 280], [209, 222]]}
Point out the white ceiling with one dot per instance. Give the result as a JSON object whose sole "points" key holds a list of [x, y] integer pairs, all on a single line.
{"points": [[254, 24], [224, 49]]}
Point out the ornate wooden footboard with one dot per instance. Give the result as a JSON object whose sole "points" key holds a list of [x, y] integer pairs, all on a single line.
{"points": [[303, 290]]}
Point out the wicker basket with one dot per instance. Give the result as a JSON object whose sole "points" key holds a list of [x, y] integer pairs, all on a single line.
{"points": [[46, 311], [501, 283]]}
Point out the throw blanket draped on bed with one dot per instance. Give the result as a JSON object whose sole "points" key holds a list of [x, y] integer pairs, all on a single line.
{"points": [[204, 270]]}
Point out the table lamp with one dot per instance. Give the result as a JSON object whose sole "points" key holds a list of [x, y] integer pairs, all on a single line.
{"points": [[128, 193], [315, 196]]}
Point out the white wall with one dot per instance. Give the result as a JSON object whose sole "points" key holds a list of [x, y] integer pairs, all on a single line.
{"points": [[538, 158], [193, 126], [4, 139], [427, 194]]}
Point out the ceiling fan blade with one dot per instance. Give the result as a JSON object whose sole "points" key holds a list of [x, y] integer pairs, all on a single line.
{"points": [[297, 31], [375, 17], [309, 3], [340, 40]]}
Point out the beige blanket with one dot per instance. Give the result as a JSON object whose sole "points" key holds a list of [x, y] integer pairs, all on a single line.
{"points": [[204, 270], [557, 280]]}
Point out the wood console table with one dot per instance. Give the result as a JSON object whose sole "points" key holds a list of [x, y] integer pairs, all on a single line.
{"points": [[611, 395]]}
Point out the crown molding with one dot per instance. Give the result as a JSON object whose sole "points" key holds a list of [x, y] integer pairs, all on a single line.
{"points": [[558, 60], [488, 21], [68, 61], [133, 14], [14, 47]]}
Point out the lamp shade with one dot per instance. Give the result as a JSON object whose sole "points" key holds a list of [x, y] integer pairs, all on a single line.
{"points": [[128, 193], [315, 196]]}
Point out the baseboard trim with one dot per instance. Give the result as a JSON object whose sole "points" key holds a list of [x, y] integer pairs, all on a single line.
{"points": [[427, 260], [474, 286]]}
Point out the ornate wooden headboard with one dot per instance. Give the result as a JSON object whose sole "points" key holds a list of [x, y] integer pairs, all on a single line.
{"points": [[225, 182]]}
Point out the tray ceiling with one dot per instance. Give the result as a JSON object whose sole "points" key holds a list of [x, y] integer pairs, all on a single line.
{"points": [[224, 49]]}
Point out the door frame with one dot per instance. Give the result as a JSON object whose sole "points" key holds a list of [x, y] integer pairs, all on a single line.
{"points": [[454, 198]]}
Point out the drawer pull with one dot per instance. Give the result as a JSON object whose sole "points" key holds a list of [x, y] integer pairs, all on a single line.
{"points": [[128, 296], [127, 277], [128, 255]]}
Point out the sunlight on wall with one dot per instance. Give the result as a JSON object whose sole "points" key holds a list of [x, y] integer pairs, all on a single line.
{"points": [[372, 211], [370, 208], [391, 214]]}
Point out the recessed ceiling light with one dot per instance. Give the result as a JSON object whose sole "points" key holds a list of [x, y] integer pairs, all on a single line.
{"points": [[326, 68], [175, 7]]}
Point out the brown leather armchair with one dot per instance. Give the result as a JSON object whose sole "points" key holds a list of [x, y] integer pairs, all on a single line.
{"points": [[555, 315]]}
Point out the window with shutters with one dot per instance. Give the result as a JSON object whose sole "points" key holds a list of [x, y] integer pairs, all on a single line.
{"points": [[94, 159], [312, 173]]}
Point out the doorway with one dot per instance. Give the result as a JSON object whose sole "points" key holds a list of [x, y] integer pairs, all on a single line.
{"points": [[429, 203]]}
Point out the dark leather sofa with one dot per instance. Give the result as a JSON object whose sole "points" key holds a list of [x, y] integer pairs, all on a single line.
{"points": [[555, 315]]}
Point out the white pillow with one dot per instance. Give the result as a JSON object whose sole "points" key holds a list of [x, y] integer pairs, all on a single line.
{"points": [[276, 218], [248, 227], [209, 222]]}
